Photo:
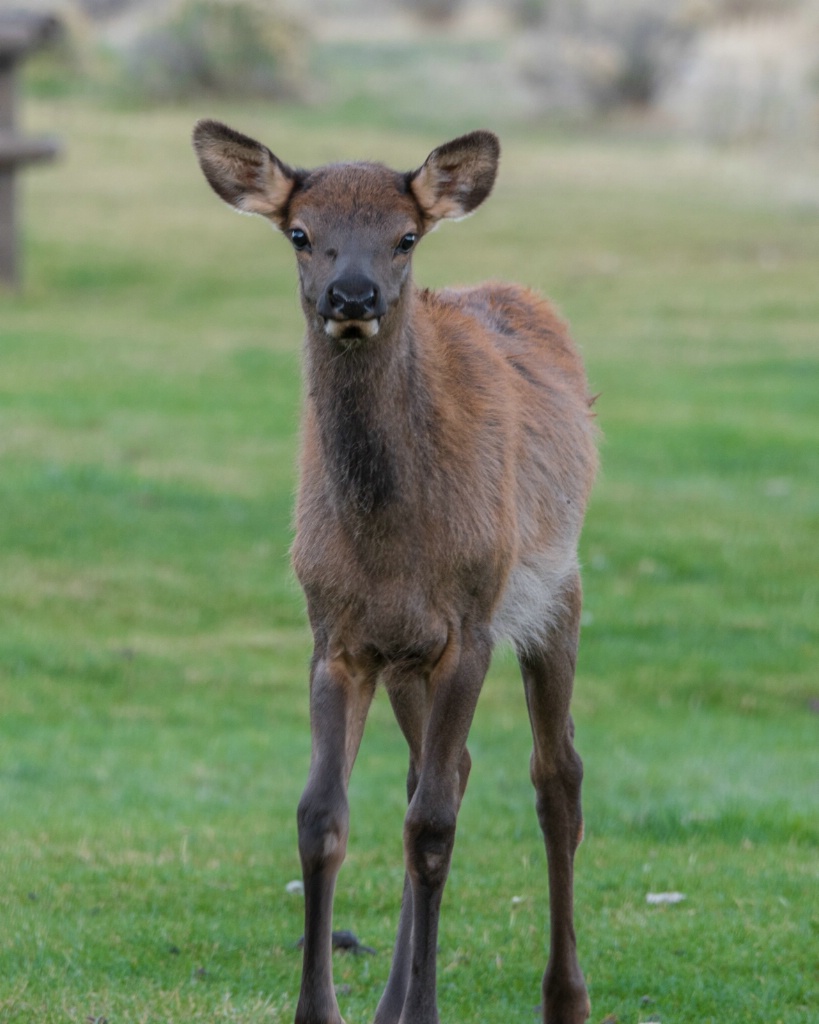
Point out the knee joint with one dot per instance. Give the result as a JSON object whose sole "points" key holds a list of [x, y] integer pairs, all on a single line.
{"points": [[323, 828], [565, 771], [428, 843], [557, 789]]}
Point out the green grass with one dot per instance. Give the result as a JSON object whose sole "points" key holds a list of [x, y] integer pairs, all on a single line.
{"points": [[153, 646]]}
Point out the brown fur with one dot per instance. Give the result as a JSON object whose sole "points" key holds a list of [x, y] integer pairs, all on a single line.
{"points": [[447, 457]]}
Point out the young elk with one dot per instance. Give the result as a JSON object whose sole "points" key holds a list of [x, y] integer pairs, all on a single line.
{"points": [[447, 456]]}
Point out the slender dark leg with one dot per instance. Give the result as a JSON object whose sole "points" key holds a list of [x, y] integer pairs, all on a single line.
{"points": [[410, 705], [338, 710], [392, 1001], [429, 828], [557, 773], [409, 699]]}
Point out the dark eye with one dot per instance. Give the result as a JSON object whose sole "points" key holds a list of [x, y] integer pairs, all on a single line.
{"points": [[299, 239], [406, 243]]}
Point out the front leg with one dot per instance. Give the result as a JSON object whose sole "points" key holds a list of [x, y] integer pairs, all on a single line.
{"points": [[339, 702]]}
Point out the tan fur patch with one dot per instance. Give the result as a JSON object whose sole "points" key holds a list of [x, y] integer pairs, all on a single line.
{"points": [[339, 328], [437, 207]]}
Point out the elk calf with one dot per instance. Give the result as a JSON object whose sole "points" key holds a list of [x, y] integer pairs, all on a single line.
{"points": [[447, 456]]}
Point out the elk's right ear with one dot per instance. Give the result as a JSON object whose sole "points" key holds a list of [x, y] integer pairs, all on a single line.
{"points": [[243, 172]]}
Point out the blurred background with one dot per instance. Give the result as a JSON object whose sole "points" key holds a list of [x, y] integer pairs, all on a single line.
{"points": [[717, 70], [660, 181]]}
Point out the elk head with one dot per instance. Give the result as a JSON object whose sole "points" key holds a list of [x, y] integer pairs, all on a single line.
{"points": [[353, 226]]}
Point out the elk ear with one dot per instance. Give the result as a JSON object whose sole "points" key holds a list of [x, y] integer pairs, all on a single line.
{"points": [[457, 177], [243, 172]]}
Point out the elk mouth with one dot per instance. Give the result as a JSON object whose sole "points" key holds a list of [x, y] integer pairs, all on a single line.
{"points": [[351, 331]]}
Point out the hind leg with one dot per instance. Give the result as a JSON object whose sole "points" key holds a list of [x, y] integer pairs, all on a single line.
{"points": [[557, 773], [429, 827], [411, 707], [409, 702]]}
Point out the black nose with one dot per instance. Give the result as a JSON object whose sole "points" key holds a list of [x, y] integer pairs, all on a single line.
{"points": [[351, 298]]}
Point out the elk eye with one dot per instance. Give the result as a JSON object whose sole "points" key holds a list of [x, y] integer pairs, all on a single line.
{"points": [[299, 239], [406, 243]]}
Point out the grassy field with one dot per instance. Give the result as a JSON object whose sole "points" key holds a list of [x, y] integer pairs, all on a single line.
{"points": [[153, 646]]}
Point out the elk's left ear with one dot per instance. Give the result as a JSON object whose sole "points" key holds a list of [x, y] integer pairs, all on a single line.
{"points": [[243, 172], [456, 177]]}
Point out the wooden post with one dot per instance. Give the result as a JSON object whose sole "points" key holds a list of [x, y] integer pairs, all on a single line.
{"points": [[8, 222], [20, 33]]}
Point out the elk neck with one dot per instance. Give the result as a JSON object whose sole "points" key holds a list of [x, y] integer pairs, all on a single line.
{"points": [[372, 408]]}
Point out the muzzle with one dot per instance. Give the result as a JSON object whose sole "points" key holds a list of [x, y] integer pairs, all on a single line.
{"points": [[352, 306]]}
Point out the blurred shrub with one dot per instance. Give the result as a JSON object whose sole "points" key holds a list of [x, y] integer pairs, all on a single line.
{"points": [[434, 10], [224, 47], [751, 80], [63, 63], [737, 9], [723, 70], [593, 57], [529, 13], [103, 8], [568, 74]]}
